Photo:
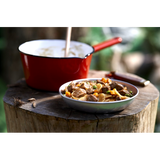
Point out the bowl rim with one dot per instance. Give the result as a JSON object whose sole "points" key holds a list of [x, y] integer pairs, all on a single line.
{"points": [[90, 102]]}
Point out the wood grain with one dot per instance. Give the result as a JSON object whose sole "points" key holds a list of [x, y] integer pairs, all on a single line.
{"points": [[51, 114]]}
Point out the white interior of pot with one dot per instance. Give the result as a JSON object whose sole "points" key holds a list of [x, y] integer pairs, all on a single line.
{"points": [[55, 48]]}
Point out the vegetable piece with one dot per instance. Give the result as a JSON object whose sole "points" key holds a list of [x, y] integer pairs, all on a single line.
{"points": [[95, 94], [78, 84], [128, 95], [108, 92], [94, 86], [109, 81], [68, 94], [104, 80], [96, 91], [112, 92]]}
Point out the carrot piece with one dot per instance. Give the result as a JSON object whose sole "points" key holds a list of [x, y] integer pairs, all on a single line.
{"points": [[68, 94], [78, 85], [96, 91], [95, 94], [109, 80], [112, 92], [104, 80]]}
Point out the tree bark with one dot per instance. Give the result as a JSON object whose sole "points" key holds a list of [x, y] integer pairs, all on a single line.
{"points": [[50, 113]]}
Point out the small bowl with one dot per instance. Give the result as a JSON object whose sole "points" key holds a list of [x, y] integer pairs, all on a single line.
{"points": [[99, 107]]}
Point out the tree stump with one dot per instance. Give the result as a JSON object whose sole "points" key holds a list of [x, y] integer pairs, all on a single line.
{"points": [[49, 113]]}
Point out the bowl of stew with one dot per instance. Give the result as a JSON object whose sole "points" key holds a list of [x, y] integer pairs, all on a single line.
{"points": [[98, 95]]}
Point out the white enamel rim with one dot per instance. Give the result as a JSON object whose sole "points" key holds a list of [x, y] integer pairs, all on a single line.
{"points": [[30, 47]]}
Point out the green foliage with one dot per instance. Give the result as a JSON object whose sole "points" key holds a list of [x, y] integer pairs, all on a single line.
{"points": [[148, 42], [101, 59], [94, 36], [3, 88], [2, 40]]}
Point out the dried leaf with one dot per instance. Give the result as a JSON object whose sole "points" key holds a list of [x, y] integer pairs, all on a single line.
{"points": [[18, 102], [34, 104], [31, 99]]}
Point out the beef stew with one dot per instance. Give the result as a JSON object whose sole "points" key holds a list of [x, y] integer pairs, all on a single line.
{"points": [[103, 90]]}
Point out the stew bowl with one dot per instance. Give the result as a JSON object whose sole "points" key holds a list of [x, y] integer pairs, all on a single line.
{"points": [[99, 107]]}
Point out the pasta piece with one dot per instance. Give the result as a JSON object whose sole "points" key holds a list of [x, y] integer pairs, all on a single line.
{"points": [[107, 100], [99, 87], [84, 98], [111, 100], [74, 97], [101, 97], [117, 93], [107, 96]]}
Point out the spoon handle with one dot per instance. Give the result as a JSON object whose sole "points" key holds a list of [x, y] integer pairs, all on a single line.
{"points": [[68, 37]]}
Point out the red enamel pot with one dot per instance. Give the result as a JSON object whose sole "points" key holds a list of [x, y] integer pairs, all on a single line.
{"points": [[46, 68]]}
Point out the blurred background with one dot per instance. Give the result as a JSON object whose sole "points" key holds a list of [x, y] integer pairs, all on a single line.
{"points": [[139, 53]]}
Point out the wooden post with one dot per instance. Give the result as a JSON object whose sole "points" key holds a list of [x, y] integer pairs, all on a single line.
{"points": [[49, 113]]}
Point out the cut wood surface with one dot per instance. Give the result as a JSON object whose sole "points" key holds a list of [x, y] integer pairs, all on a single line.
{"points": [[30, 110]]}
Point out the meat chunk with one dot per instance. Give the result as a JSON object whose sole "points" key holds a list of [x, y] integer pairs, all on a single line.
{"points": [[91, 97], [124, 91], [105, 88], [99, 81], [116, 85], [71, 87], [90, 90], [118, 98], [84, 85], [63, 91], [79, 92]]}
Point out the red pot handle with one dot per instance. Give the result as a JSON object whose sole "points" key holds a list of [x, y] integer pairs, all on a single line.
{"points": [[107, 43]]}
